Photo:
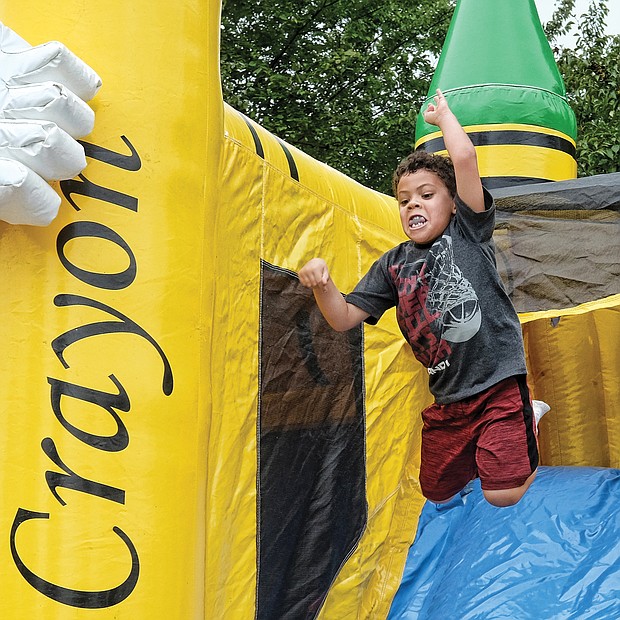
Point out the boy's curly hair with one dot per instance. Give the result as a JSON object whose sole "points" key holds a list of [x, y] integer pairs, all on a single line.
{"points": [[421, 160]]}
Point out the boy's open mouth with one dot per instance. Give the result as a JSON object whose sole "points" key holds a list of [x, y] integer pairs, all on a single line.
{"points": [[417, 221]]}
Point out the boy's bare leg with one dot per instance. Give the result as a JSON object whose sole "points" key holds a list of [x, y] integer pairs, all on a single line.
{"points": [[508, 497]]}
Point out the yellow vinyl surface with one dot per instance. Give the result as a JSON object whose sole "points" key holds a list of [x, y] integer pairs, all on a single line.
{"points": [[133, 464], [525, 161], [510, 160]]}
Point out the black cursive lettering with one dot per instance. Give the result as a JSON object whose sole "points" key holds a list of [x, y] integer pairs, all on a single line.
{"points": [[124, 325], [73, 480], [68, 596], [108, 402], [107, 280]]}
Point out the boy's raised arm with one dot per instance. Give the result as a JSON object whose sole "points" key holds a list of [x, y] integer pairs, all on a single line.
{"points": [[337, 312], [461, 151]]}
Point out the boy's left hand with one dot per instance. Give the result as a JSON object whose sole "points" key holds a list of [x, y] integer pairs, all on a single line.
{"points": [[436, 112]]}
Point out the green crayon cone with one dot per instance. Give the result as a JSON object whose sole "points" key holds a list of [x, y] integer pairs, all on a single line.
{"points": [[500, 78]]}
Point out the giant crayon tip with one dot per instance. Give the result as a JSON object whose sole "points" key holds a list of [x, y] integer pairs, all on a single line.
{"points": [[500, 78]]}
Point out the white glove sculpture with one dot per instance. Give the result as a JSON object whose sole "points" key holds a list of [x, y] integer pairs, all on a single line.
{"points": [[42, 112]]}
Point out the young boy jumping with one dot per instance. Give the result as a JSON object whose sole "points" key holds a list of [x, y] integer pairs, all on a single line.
{"points": [[453, 310]]}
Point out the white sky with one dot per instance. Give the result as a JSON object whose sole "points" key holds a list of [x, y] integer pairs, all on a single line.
{"points": [[545, 10]]}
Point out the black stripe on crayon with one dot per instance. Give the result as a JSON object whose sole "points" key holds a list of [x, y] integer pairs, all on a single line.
{"points": [[292, 166], [505, 137], [258, 146]]}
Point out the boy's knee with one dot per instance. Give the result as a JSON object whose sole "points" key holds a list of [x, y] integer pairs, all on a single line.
{"points": [[508, 497], [504, 498]]}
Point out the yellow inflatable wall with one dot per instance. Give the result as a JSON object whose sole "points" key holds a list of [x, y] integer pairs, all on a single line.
{"points": [[131, 374], [105, 322]]}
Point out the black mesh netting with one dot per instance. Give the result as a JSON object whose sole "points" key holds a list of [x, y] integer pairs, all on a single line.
{"points": [[558, 244], [311, 447]]}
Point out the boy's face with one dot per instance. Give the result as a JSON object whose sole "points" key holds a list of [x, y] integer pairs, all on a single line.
{"points": [[425, 204]]}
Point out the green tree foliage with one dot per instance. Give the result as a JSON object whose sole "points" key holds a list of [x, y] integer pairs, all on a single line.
{"points": [[591, 72], [342, 80]]}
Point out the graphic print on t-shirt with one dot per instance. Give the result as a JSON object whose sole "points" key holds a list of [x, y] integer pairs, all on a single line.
{"points": [[451, 294], [437, 304]]}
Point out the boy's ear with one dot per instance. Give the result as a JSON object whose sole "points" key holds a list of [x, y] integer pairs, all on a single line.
{"points": [[453, 206]]}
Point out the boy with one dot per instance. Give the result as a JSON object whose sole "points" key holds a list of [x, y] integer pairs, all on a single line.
{"points": [[454, 312]]}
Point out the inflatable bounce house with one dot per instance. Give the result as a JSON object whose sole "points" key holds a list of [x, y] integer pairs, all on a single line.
{"points": [[183, 436]]}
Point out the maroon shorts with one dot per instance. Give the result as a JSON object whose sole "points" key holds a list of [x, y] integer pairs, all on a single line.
{"points": [[490, 435]]}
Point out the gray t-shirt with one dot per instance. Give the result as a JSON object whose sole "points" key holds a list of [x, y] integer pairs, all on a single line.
{"points": [[451, 305]]}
